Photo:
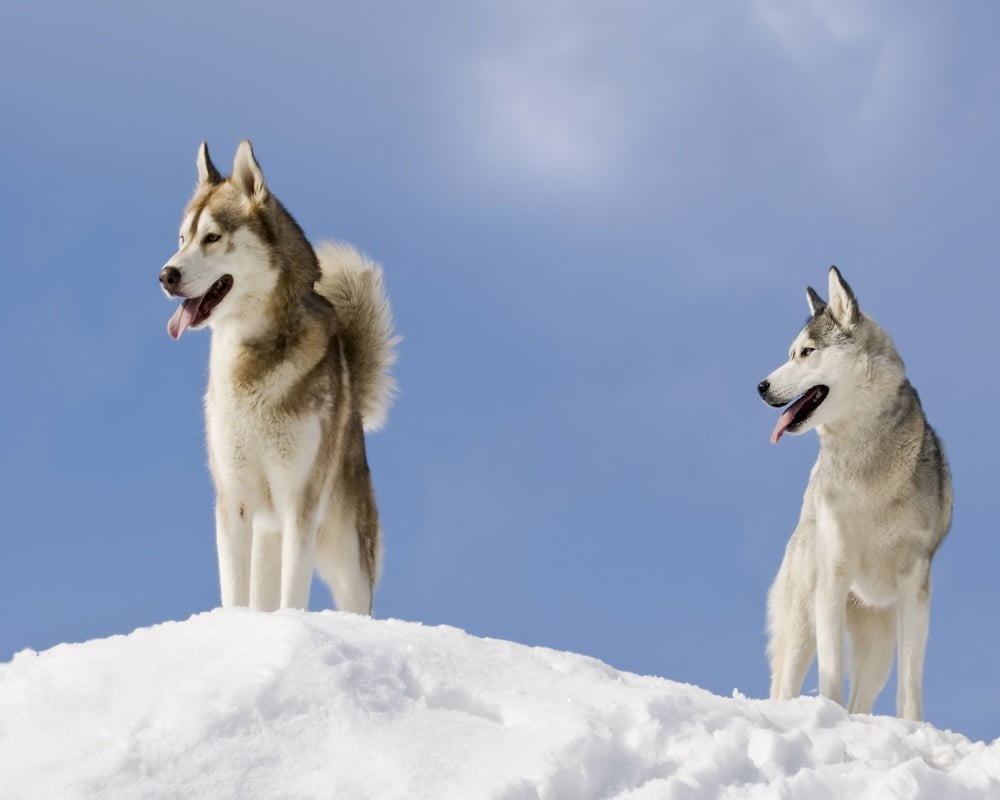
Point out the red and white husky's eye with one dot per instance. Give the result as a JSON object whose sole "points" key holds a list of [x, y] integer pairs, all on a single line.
{"points": [[210, 238]]}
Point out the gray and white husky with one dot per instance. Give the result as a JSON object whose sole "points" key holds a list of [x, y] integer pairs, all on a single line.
{"points": [[301, 346], [876, 508]]}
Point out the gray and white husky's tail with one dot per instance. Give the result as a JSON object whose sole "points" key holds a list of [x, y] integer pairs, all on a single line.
{"points": [[353, 284]]}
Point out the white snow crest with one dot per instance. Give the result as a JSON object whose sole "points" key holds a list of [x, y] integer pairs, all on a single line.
{"points": [[238, 704]]}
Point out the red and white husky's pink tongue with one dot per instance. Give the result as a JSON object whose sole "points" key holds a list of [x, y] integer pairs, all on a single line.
{"points": [[788, 415], [183, 317]]}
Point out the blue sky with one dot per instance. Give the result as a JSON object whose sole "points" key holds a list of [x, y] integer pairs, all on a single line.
{"points": [[597, 223]]}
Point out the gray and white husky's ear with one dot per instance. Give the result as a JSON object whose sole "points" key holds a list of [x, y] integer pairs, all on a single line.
{"points": [[247, 175], [843, 303], [207, 173], [816, 303]]}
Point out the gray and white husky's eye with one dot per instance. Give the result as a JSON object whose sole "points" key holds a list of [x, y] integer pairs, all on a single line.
{"points": [[806, 351], [209, 238]]}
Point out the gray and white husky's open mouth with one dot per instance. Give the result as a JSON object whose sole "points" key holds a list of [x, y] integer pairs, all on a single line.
{"points": [[796, 414], [195, 310]]}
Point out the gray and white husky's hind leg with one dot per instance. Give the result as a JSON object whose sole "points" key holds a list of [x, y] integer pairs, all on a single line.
{"points": [[873, 641], [349, 550]]}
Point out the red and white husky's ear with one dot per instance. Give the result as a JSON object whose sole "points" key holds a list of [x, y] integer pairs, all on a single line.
{"points": [[843, 303], [207, 173], [816, 303], [247, 175]]}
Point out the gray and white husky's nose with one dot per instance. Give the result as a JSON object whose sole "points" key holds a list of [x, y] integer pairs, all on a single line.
{"points": [[170, 277], [762, 387]]}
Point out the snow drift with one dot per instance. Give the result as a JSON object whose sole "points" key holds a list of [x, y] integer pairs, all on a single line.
{"points": [[238, 704]]}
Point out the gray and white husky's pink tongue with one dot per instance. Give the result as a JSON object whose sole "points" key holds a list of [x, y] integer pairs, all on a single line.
{"points": [[788, 415], [183, 316]]}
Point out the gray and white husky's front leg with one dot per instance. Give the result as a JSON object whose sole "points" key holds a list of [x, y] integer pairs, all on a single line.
{"points": [[832, 587], [831, 607], [913, 624], [233, 539]]}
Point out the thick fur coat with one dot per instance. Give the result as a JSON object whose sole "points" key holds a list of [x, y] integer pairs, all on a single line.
{"points": [[877, 507], [301, 347]]}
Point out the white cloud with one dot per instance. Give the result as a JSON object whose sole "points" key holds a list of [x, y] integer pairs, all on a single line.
{"points": [[540, 111], [870, 71], [675, 104], [804, 29]]}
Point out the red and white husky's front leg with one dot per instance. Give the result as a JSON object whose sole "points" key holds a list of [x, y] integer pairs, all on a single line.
{"points": [[233, 538], [298, 554]]}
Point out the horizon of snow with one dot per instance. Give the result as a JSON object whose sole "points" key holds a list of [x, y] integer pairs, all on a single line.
{"points": [[235, 703]]}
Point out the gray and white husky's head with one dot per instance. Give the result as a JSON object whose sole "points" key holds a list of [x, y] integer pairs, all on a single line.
{"points": [[223, 269], [836, 365]]}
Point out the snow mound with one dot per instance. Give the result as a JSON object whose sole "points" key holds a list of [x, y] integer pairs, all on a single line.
{"points": [[237, 704]]}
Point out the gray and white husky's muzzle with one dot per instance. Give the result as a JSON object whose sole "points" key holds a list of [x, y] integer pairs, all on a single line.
{"points": [[793, 419], [768, 396]]}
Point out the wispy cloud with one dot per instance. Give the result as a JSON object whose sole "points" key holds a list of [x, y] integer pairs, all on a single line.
{"points": [[872, 74], [539, 115], [603, 100], [804, 29]]}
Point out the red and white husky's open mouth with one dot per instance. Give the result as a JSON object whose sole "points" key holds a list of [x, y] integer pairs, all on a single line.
{"points": [[793, 417], [195, 310]]}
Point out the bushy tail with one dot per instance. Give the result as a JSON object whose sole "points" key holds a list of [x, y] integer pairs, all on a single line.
{"points": [[353, 284]]}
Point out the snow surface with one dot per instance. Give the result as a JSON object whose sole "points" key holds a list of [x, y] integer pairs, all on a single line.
{"points": [[238, 704]]}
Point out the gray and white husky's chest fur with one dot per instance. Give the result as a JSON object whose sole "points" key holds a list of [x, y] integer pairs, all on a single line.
{"points": [[875, 511], [301, 345]]}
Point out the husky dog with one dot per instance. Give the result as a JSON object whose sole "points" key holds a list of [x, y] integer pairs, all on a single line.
{"points": [[876, 508], [301, 346]]}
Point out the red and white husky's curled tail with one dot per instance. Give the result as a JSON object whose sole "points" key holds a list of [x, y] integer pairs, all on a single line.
{"points": [[353, 284]]}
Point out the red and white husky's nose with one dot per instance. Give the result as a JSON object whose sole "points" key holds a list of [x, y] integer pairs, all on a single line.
{"points": [[170, 277]]}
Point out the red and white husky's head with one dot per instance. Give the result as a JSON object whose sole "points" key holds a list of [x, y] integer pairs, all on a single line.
{"points": [[224, 268]]}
